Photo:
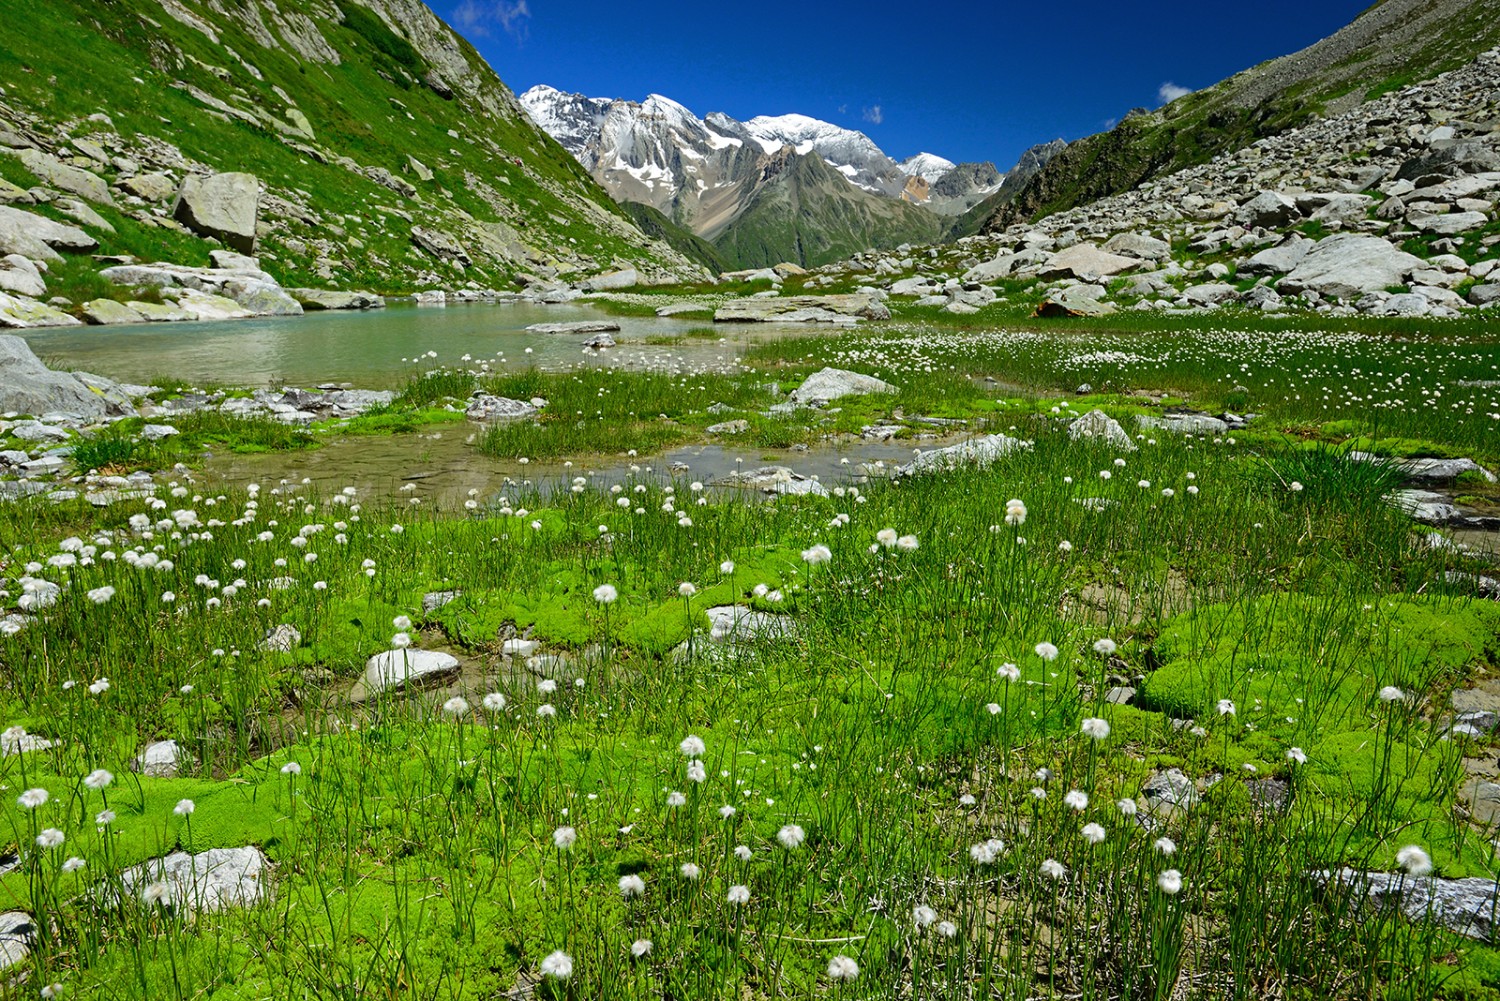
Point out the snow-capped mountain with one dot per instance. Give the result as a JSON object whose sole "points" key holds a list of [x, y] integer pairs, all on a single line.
{"points": [[927, 166], [702, 172]]}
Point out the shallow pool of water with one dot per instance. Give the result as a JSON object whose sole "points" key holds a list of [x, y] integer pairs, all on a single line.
{"points": [[370, 349], [442, 467]]}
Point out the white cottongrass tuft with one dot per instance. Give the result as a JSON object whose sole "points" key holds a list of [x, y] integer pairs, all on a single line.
{"points": [[1390, 693], [557, 965], [1170, 882], [1226, 707], [632, 886], [842, 968], [291, 768], [738, 894], [1046, 651], [1008, 672], [817, 554], [456, 706], [676, 799], [1414, 861], [184, 808], [1296, 755], [494, 702], [1077, 799], [1052, 869], [1105, 647], [690, 871], [564, 837], [791, 836], [1165, 846], [692, 746], [98, 779], [1093, 833], [922, 916], [1095, 728], [640, 947], [605, 594]]}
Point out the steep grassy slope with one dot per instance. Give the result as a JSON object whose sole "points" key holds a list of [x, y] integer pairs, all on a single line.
{"points": [[362, 118], [808, 214], [687, 243], [1393, 43]]}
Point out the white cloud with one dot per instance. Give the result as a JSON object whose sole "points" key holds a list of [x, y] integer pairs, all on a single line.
{"points": [[474, 17], [874, 115], [1169, 92]]}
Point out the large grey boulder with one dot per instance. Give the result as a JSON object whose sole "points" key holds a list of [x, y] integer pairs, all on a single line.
{"points": [[107, 311], [65, 178], [39, 238], [1280, 259], [207, 306], [1070, 302], [1182, 423], [1096, 425], [440, 245], [1267, 210], [262, 298], [1465, 906], [804, 309], [205, 882], [314, 299], [1447, 223], [398, 670], [20, 276], [977, 453], [1148, 248], [829, 384], [223, 206], [1451, 161], [1348, 266], [20, 312], [627, 278], [150, 187], [1083, 259], [1210, 294]]}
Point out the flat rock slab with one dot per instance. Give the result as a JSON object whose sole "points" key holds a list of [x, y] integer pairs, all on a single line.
{"points": [[830, 384], [1182, 423], [1428, 470], [977, 453], [803, 309], [1083, 259], [775, 480], [208, 881], [399, 670], [581, 327], [1464, 906], [1426, 506], [314, 299], [1348, 266]]}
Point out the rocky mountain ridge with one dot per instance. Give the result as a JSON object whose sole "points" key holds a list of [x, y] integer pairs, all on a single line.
{"points": [[346, 143], [1392, 43], [706, 173], [1391, 208]]}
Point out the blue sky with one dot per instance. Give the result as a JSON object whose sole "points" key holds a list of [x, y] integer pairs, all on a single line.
{"points": [[968, 81]]}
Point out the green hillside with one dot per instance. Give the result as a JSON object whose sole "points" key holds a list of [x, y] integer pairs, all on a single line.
{"points": [[362, 120], [810, 215]]}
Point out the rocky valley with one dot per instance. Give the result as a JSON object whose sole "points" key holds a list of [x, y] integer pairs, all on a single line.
{"points": [[459, 546]]}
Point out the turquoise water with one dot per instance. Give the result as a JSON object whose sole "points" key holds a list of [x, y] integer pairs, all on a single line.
{"points": [[367, 349]]}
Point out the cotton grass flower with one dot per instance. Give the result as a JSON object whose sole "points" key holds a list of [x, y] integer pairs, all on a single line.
{"points": [[605, 594], [1126, 807], [1077, 799], [1170, 882], [493, 702], [98, 779], [557, 965], [842, 968], [1390, 693], [1008, 672], [1046, 651], [1165, 846], [923, 916], [1225, 707], [1095, 728], [564, 838], [907, 543], [692, 746], [1052, 869], [738, 894], [1296, 755], [50, 838], [690, 871], [32, 798], [1093, 833], [184, 808], [676, 799], [632, 886], [791, 836], [1414, 861], [886, 537], [817, 554], [686, 589], [1105, 647], [640, 947], [291, 768], [456, 706], [157, 894]]}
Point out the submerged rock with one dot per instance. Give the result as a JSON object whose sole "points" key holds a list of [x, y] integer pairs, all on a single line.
{"points": [[1183, 423], [315, 299], [775, 480], [580, 327]]}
